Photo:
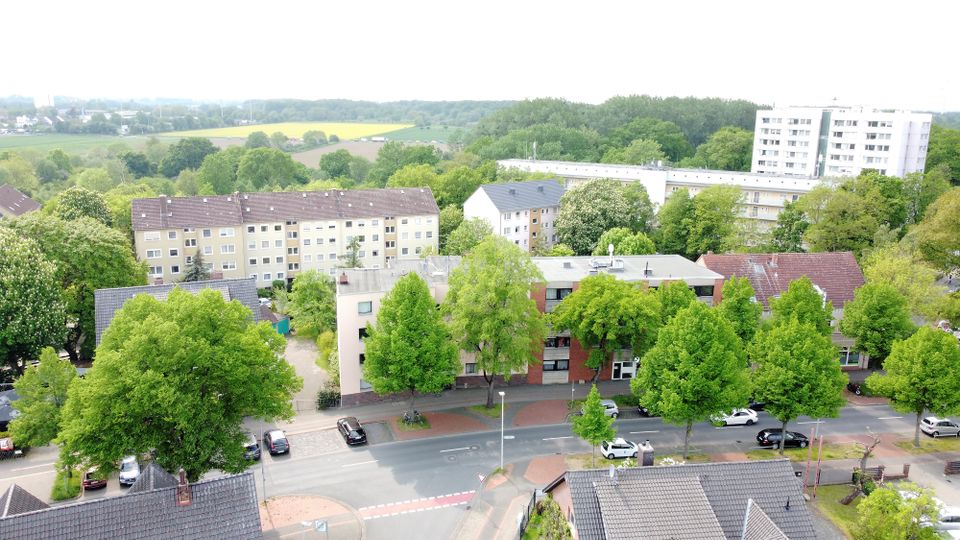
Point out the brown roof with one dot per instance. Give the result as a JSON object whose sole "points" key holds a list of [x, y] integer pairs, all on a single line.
{"points": [[837, 274], [14, 202], [214, 210]]}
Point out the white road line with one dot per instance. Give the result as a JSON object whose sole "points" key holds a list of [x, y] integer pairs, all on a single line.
{"points": [[508, 437], [646, 431], [810, 422], [361, 463], [455, 449], [34, 466], [558, 438], [881, 418], [730, 427]]}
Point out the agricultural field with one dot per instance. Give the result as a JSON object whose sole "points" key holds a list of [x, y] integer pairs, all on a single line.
{"points": [[345, 131], [68, 143], [422, 134]]}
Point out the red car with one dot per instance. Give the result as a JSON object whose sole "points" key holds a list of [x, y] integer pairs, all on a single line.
{"points": [[92, 479]]}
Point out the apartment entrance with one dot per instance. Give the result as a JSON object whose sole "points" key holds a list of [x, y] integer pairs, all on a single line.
{"points": [[624, 369]]}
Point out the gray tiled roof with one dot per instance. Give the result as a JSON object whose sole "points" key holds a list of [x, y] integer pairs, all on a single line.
{"points": [[152, 477], [523, 195], [108, 301], [219, 210], [221, 508], [727, 487], [657, 509], [15, 203], [759, 526], [17, 500]]}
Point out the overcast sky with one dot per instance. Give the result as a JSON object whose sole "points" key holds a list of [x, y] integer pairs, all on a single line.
{"points": [[784, 53]]}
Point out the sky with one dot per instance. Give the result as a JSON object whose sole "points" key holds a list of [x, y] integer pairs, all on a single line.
{"points": [[807, 52]]}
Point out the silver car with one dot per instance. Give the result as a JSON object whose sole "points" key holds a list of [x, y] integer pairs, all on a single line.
{"points": [[939, 427], [129, 471]]}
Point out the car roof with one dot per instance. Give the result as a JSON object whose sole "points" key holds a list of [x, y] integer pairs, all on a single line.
{"points": [[127, 459], [276, 434], [933, 419], [608, 402]]}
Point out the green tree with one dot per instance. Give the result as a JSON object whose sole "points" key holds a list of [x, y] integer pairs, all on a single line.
{"points": [[43, 392], [312, 305], [352, 260], [336, 164], [187, 153], [314, 137], [119, 201], [95, 179], [642, 215], [187, 371], [797, 373], [805, 302], [739, 306], [886, 515], [31, 307], [877, 317], [674, 296], [670, 138], [78, 202], [589, 209], [787, 235], [624, 242], [409, 349], [594, 426], [728, 149], [944, 150], [467, 235], [696, 369], [138, 164], [263, 168], [559, 250], [218, 172], [18, 173], [921, 189], [675, 218], [196, 270], [394, 155], [415, 176], [846, 222], [257, 139], [278, 140], [188, 183], [913, 278], [491, 313], [639, 152], [606, 315], [938, 236], [450, 218], [712, 223], [456, 185]]}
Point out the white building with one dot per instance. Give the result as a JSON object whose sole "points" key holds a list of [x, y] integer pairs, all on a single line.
{"points": [[523, 212], [835, 141]]}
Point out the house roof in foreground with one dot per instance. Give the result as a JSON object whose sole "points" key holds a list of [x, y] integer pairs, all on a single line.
{"points": [[14, 202]]}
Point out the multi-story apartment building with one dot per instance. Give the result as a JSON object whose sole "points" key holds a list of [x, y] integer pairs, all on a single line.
{"points": [[561, 360], [523, 212], [764, 194], [273, 236], [836, 141]]}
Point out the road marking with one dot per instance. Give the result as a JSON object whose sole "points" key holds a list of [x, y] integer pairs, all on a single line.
{"points": [[508, 437], [416, 505], [647, 431], [558, 438], [730, 427], [881, 418], [361, 463], [455, 449], [810, 422], [34, 466]]}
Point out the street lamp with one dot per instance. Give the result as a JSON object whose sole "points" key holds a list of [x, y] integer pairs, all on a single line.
{"points": [[502, 394]]}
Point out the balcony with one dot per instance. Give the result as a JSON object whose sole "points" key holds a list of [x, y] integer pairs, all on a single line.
{"points": [[556, 353], [551, 305]]}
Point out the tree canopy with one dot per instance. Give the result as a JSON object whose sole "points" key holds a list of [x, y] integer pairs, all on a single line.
{"points": [[805, 302], [312, 306], [589, 209], [675, 218], [712, 222], [727, 149], [739, 307], [877, 317], [594, 426], [938, 235], [78, 202], [624, 242], [187, 153], [887, 515], [43, 392], [467, 235], [674, 296]]}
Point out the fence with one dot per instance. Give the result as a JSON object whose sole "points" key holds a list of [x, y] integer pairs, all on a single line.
{"points": [[951, 467], [527, 514]]}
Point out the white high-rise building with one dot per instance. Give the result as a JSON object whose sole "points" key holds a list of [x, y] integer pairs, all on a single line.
{"points": [[838, 141]]}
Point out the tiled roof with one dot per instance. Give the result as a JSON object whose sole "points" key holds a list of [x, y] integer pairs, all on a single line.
{"points": [[759, 526], [222, 210], [727, 487], [17, 500], [523, 195], [837, 274], [220, 508], [657, 509], [108, 301], [152, 477], [14, 202]]}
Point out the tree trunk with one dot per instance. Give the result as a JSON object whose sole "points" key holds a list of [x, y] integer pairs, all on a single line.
{"points": [[71, 347], [686, 440], [783, 436], [490, 383], [413, 398], [593, 457], [916, 431]]}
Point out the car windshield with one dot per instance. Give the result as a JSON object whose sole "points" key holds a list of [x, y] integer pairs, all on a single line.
{"points": [[128, 466]]}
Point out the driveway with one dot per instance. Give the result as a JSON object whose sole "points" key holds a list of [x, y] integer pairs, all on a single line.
{"points": [[302, 353]]}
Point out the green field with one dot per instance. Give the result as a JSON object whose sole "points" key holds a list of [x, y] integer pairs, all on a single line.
{"points": [[67, 143], [423, 134], [344, 130]]}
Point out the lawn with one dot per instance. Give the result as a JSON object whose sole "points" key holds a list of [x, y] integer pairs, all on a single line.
{"points": [[828, 503], [64, 488], [929, 444], [67, 143], [830, 451], [344, 131], [423, 134], [491, 413]]}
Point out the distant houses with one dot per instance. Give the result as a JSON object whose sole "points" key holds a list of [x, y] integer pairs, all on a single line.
{"points": [[13, 203]]}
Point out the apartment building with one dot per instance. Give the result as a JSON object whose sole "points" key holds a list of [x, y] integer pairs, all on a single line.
{"points": [[523, 212], [764, 194], [561, 360], [273, 236], [838, 141]]}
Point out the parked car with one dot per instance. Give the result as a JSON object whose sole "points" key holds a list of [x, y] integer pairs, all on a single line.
{"points": [[756, 405], [949, 519], [610, 407], [618, 448], [129, 470], [276, 442], [772, 436], [10, 450], [939, 427], [737, 417], [93, 479], [251, 450], [352, 431], [643, 411]]}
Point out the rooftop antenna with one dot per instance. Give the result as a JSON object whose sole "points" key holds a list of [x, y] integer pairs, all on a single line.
{"points": [[613, 474], [534, 150]]}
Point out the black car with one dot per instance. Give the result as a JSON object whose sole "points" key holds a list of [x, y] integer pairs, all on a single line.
{"points": [[251, 450], [352, 431], [772, 436], [756, 405], [276, 442]]}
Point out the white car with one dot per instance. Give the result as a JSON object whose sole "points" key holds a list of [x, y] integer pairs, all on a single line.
{"points": [[737, 417], [949, 519], [618, 448], [939, 427], [129, 471], [609, 408]]}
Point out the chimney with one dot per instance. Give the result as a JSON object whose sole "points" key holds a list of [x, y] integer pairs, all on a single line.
{"points": [[343, 278], [540, 189], [184, 492]]}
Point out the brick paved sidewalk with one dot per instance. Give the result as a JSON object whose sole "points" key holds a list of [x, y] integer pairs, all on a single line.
{"points": [[282, 517]]}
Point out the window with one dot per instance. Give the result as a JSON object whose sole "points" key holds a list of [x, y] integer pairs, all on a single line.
{"points": [[556, 342], [756, 196], [265, 260], [418, 250], [360, 224], [252, 262], [154, 253], [291, 222], [175, 269], [331, 240], [376, 238], [190, 242], [151, 236], [332, 256], [263, 228], [279, 275], [278, 227], [306, 241], [375, 253], [403, 221], [226, 232], [264, 244], [254, 276], [429, 234], [293, 266], [849, 357], [364, 308], [556, 365], [390, 244], [155, 270], [171, 235], [703, 290], [331, 224], [470, 368], [404, 236], [534, 221], [228, 248], [251, 228], [279, 260], [404, 251], [293, 251], [418, 235], [308, 258], [362, 333], [348, 224], [374, 222], [189, 230], [291, 234], [361, 238], [278, 243], [229, 265], [206, 233], [558, 294], [506, 230], [189, 259], [266, 276], [208, 250], [319, 241], [174, 252], [362, 254]]}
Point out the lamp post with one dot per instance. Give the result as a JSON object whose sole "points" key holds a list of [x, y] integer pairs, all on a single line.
{"points": [[502, 398]]}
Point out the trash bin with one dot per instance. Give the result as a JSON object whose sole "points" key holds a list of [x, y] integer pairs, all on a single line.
{"points": [[646, 454]]}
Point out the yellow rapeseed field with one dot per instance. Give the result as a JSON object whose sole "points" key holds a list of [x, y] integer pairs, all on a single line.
{"points": [[296, 129]]}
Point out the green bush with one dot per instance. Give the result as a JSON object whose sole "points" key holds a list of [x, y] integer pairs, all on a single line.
{"points": [[279, 283], [328, 396], [548, 522], [265, 292], [625, 401], [66, 488]]}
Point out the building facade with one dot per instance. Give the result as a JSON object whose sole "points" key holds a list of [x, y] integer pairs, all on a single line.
{"points": [[274, 236], [837, 141], [523, 212], [561, 359]]}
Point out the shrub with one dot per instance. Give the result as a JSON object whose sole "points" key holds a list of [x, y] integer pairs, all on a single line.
{"points": [[328, 396], [66, 488], [265, 292], [279, 283]]}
